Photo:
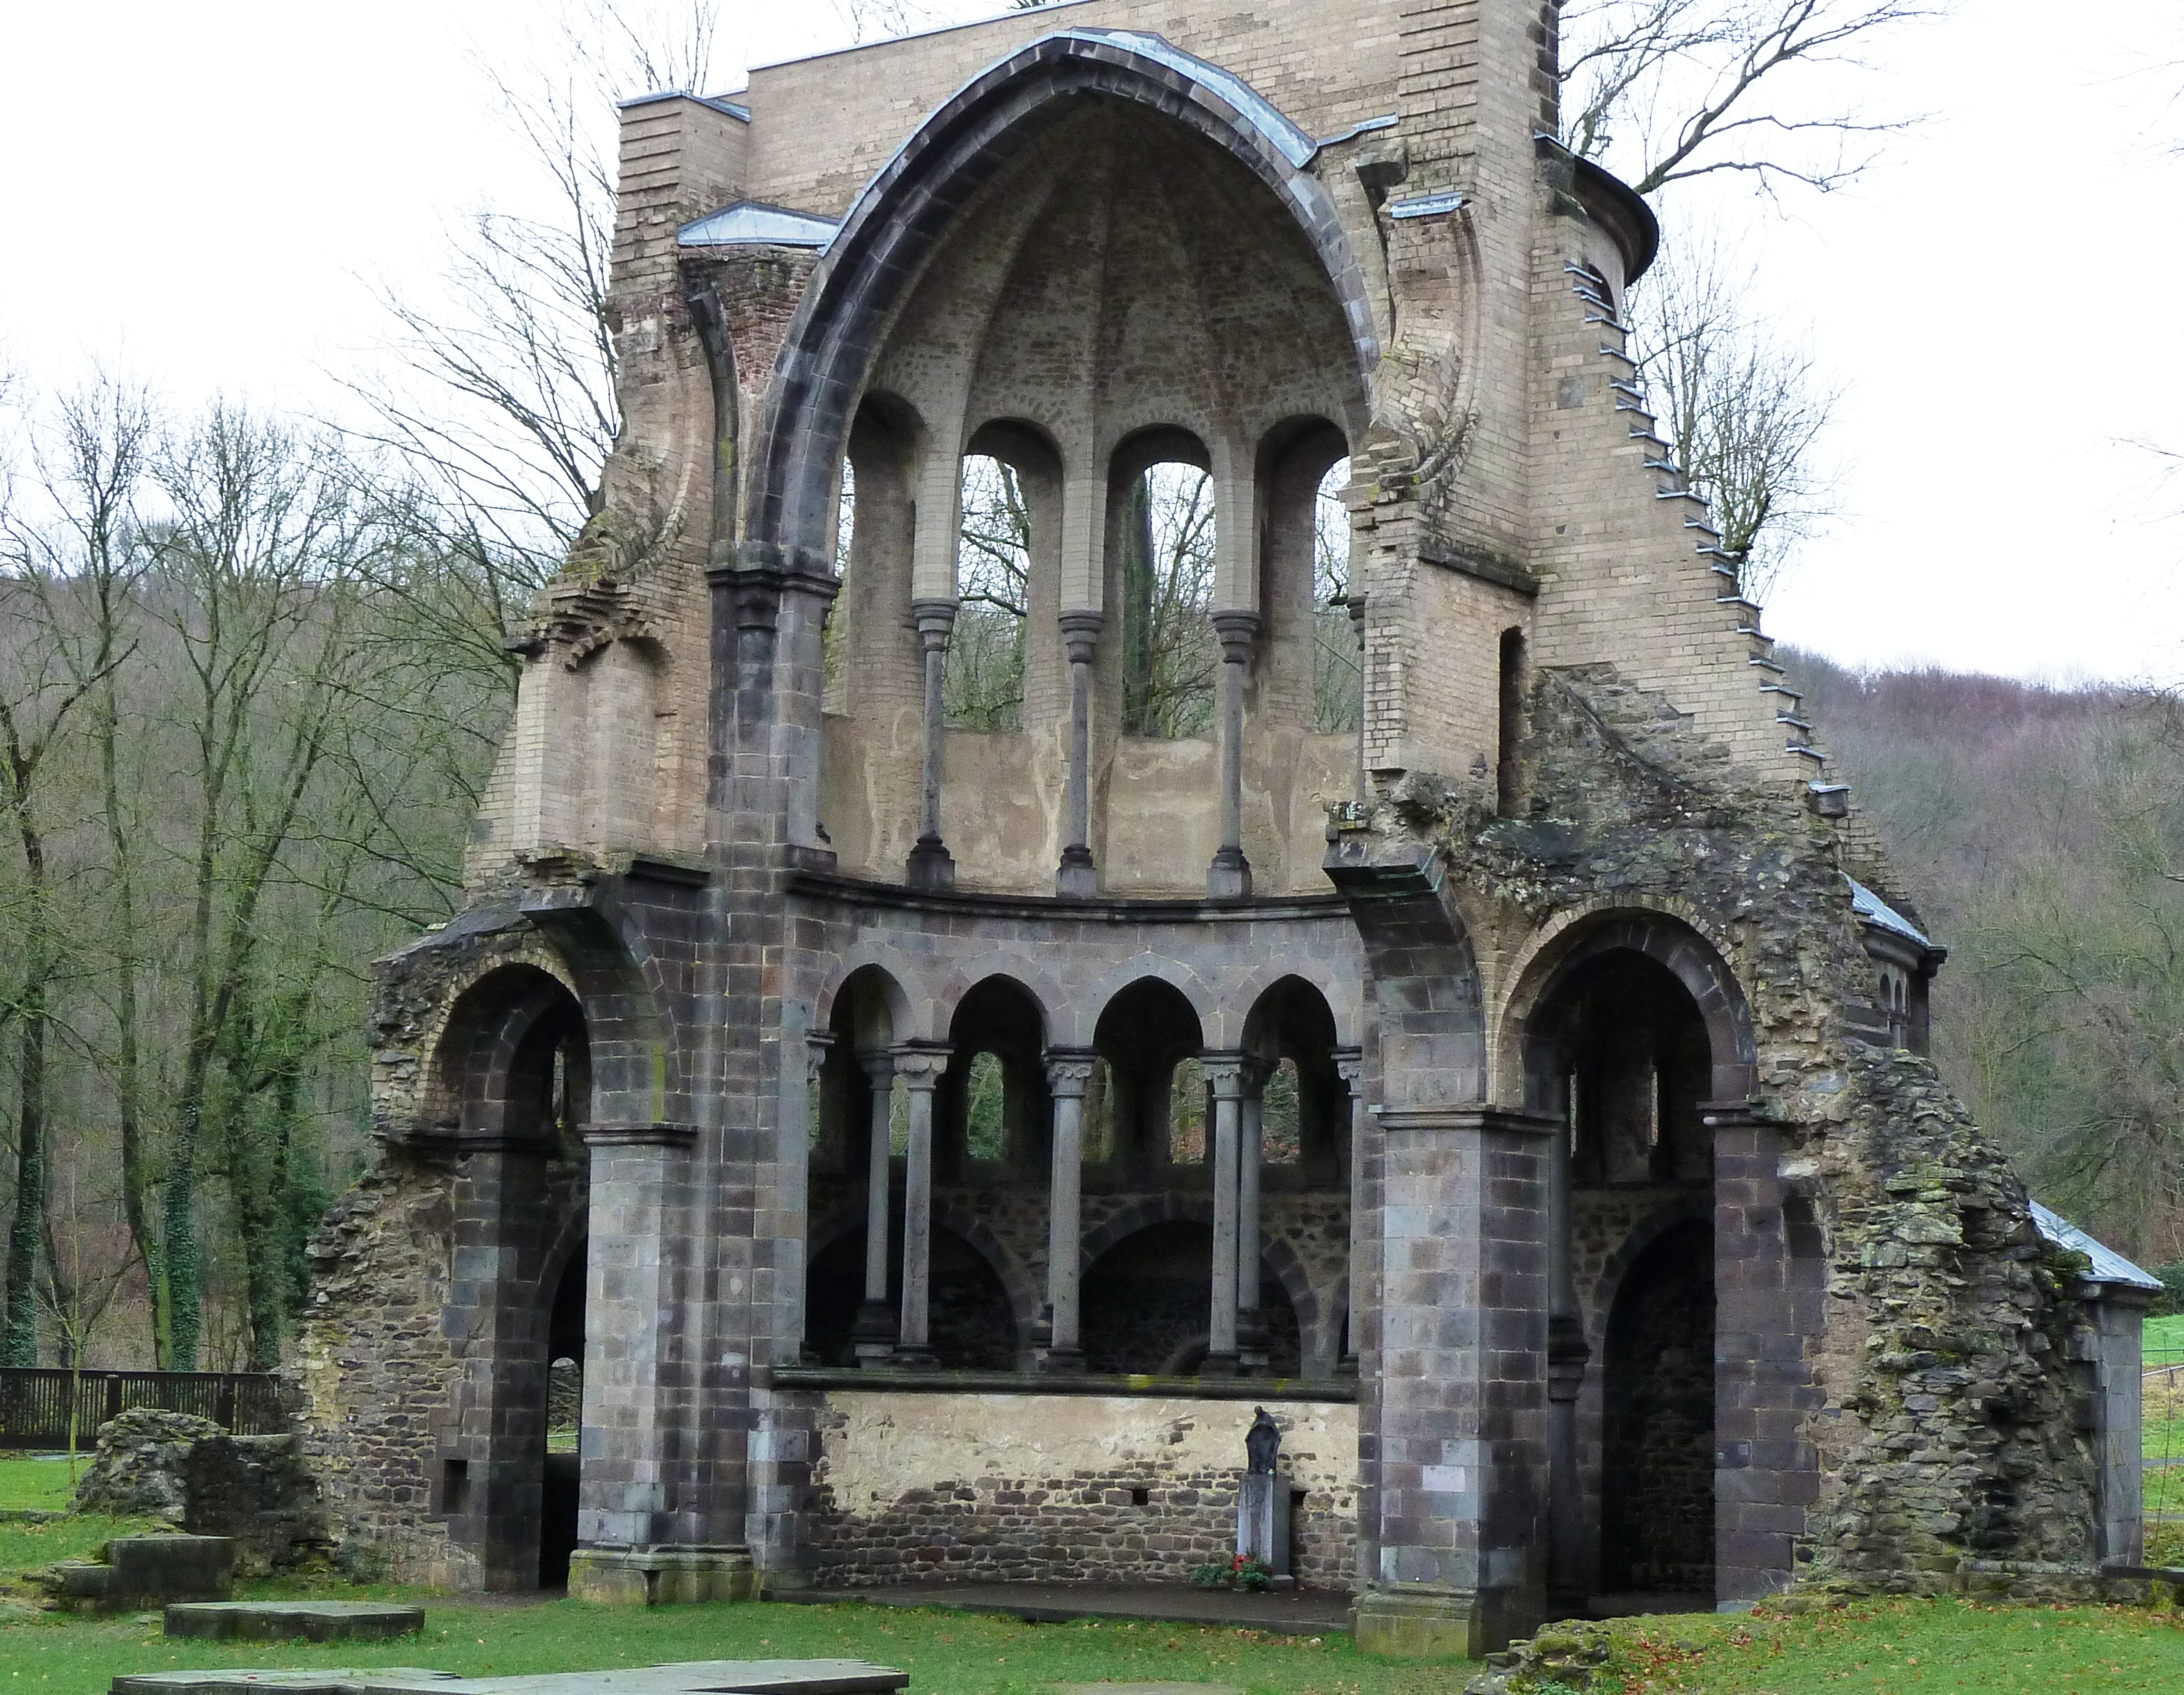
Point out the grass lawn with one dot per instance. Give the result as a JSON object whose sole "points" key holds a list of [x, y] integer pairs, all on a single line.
{"points": [[28, 1480], [1892, 1646]]}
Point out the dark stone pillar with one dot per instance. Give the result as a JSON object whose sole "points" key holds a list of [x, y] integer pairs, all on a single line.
{"points": [[1230, 876], [1767, 1307], [1459, 1418]]}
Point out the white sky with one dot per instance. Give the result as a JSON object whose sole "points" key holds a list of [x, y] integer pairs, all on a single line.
{"points": [[193, 194]]}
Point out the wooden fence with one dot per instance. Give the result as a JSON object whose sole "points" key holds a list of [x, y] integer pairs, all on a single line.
{"points": [[34, 1403]]}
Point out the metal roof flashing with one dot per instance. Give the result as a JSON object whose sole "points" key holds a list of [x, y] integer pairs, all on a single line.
{"points": [[754, 223], [729, 107], [2107, 1265], [1875, 911]]}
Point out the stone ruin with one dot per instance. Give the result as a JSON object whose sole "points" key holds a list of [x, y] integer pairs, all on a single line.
{"points": [[931, 1135]]}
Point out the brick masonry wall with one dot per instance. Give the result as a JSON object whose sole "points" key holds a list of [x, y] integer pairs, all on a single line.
{"points": [[913, 1487]]}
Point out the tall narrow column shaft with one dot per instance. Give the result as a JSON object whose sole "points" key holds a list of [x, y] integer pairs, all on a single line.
{"points": [[1230, 873], [1356, 603], [1067, 1076], [1252, 1336], [1566, 1353], [1078, 874], [920, 1070], [1226, 1075], [873, 1332], [1349, 1067], [931, 866]]}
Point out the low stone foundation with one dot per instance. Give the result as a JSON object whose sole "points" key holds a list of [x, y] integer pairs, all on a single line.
{"points": [[912, 1487]]}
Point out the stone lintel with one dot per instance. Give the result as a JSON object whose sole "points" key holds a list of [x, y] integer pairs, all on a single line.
{"points": [[1466, 1116], [640, 1135]]}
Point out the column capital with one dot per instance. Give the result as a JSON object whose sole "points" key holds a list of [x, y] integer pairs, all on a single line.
{"points": [[919, 1064], [1080, 634], [879, 1065], [1225, 1072], [935, 621], [817, 1046], [1069, 1069], [1350, 1065], [1239, 630]]}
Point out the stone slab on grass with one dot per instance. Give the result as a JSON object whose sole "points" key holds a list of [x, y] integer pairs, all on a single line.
{"points": [[145, 1571], [310, 1621], [1144, 1689], [693, 1677]]}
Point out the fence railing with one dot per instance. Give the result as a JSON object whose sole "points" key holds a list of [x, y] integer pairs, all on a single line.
{"points": [[34, 1401]]}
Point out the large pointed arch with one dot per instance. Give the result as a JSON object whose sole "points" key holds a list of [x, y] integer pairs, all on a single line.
{"points": [[907, 208]]}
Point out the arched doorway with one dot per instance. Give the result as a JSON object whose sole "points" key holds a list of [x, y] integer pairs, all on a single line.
{"points": [[1619, 1049], [513, 1078], [1656, 1508]]}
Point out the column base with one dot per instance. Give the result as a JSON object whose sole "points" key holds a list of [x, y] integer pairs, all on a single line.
{"points": [[1078, 873], [1229, 876], [1062, 1362], [1410, 1624], [918, 1358], [1218, 1365], [662, 1576], [930, 865]]}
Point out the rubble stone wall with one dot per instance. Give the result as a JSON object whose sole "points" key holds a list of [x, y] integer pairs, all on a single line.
{"points": [[1048, 1488]]}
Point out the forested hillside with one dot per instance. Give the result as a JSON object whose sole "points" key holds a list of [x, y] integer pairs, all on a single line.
{"points": [[2040, 833]]}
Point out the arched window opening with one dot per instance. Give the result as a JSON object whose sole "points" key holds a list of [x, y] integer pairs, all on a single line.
{"points": [[1154, 1093], [985, 1125], [1632, 1062], [1170, 654], [1186, 1113], [1508, 786], [1338, 668], [1281, 1118], [834, 698], [983, 680]]}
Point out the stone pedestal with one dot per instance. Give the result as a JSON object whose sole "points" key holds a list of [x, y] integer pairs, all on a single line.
{"points": [[1262, 1520], [1418, 1622], [662, 1576]]}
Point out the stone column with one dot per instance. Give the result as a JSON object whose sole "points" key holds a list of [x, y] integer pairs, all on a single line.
{"points": [[1067, 1072], [1355, 604], [1457, 1418], [920, 1067], [1349, 1067], [873, 1331], [930, 864], [1766, 1304], [1078, 873], [1225, 1072], [1566, 1353], [1230, 876], [1252, 1338]]}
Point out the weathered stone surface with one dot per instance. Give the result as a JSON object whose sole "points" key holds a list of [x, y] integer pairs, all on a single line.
{"points": [[142, 1571], [315, 1621], [188, 1470]]}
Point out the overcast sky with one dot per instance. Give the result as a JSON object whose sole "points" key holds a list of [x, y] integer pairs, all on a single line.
{"points": [[199, 195]]}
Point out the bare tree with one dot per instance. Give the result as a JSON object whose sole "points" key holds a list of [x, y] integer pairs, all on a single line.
{"points": [[1669, 90], [1742, 409], [502, 398]]}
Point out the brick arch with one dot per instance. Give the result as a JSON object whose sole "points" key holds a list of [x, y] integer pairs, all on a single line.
{"points": [[1027, 1298], [903, 215], [487, 1036], [1671, 938]]}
